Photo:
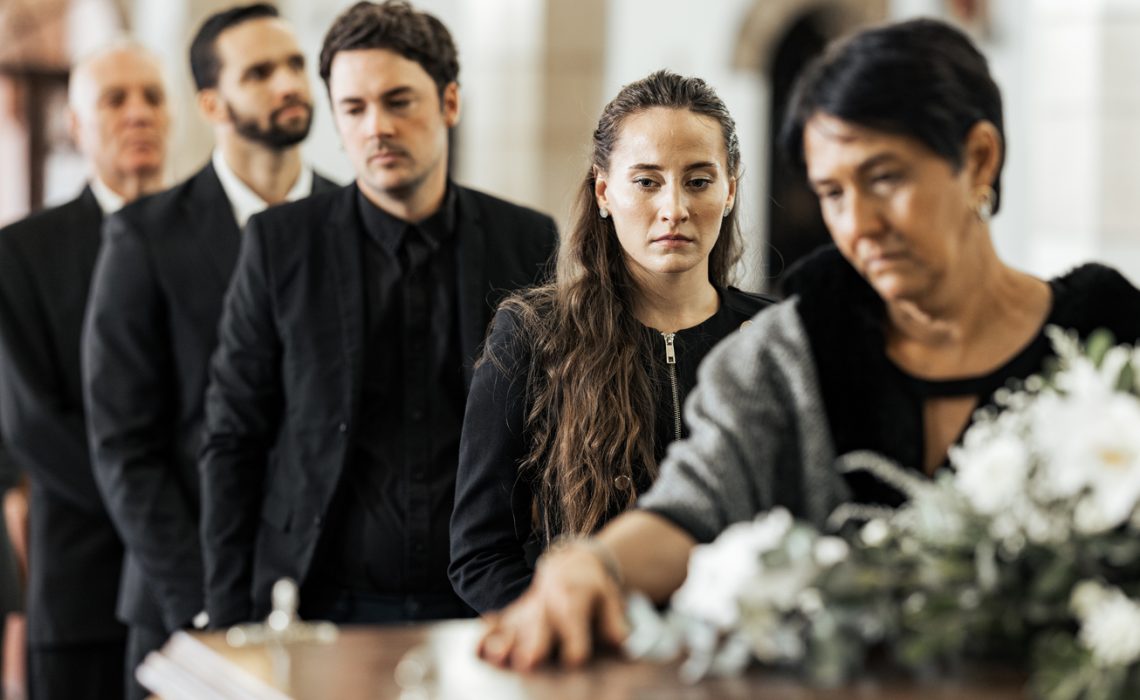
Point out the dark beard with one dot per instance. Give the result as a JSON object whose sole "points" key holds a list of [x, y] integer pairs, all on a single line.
{"points": [[275, 137]]}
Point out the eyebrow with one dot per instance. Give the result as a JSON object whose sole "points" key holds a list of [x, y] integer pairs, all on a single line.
{"points": [[396, 92], [260, 65], [872, 162], [288, 59], [386, 95], [691, 166]]}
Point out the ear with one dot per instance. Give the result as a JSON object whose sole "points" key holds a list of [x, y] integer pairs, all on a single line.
{"points": [[983, 154], [451, 104], [731, 193], [600, 189], [211, 107]]}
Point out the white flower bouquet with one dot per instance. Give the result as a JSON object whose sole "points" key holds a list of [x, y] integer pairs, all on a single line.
{"points": [[1028, 549]]}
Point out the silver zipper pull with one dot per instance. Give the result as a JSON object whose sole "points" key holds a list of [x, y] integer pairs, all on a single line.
{"points": [[670, 353]]}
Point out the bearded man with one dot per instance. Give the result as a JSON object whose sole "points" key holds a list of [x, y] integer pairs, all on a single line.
{"points": [[156, 297]]}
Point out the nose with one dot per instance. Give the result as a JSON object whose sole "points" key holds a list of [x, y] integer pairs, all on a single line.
{"points": [[860, 218], [379, 122], [139, 109], [290, 83], [674, 204]]}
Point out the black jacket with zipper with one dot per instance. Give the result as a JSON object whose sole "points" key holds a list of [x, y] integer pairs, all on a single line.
{"points": [[494, 541]]}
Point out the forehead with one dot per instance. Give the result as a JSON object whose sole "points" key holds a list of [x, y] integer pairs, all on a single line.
{"points": [[255, 41], [125, 68], [371, 72], [830, 143], [663, 135]]}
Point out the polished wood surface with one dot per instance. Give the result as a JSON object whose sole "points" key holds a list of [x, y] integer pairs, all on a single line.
{"points": [[438, 661]]}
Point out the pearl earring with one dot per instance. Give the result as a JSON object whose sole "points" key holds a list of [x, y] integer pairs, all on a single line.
{"points": [[603, 212], [985, 206]]}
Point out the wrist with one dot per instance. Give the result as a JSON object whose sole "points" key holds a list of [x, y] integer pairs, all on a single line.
{"points": [[596, 549]]}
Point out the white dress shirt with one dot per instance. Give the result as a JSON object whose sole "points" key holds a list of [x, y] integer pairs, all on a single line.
{"points": [[109, 200], [244, 201]]}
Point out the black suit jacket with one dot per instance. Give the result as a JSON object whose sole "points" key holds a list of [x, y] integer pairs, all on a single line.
{"points": [[76, 557], [286, 380], [151, 326]]}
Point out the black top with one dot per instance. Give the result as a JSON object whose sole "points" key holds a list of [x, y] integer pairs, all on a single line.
{"points": [[493, 539], [387, 530], [872, 404]]}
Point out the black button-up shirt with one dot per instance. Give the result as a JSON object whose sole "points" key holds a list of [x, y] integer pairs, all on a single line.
{"points": [[388, 527]]}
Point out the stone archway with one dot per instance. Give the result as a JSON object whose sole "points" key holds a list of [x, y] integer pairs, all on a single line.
{"points": [[776, 39]]}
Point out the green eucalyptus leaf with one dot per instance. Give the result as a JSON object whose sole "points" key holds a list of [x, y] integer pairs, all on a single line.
{"points": [[1098, 344]]}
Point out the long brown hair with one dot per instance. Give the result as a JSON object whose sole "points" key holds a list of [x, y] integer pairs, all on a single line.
{"points": [[591, 404]]}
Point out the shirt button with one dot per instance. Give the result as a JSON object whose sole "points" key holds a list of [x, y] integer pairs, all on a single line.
{"points": [[417, 415], [342, 427], [317, 521]]}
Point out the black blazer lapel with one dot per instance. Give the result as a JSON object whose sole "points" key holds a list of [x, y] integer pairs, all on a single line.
{"points": [[88, 223], [322, 184], [471, 264], [343, 234], [215, 226]]}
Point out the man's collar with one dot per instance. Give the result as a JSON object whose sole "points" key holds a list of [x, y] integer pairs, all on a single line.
{"points": [[388, 230], [441, 224], [109, 200], [244, 201]]}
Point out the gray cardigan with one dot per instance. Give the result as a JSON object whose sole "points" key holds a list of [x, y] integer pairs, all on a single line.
{"points": [[768, 416], [758, 434]]}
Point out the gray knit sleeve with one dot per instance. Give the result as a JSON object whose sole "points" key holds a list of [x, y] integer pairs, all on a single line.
{"points": [[758, 434]]}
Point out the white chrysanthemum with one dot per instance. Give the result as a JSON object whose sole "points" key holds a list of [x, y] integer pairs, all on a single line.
{"points": [[1054, 424], [1082, 378], [1110, 625], [1097, 455], [1090, 445], [992, 475], [720, 572]]}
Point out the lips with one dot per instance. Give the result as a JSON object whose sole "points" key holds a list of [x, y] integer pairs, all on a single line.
{"points": [[296, 107], [385, 156], [386, 153], [141, 141], [292, 112], [875, 263], [672, 238]]}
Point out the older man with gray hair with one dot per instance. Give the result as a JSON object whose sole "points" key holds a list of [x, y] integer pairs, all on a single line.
{"points": [[119, 121]]}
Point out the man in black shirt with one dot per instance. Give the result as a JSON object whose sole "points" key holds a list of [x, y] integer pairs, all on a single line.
{"points": [[346, 348]]}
